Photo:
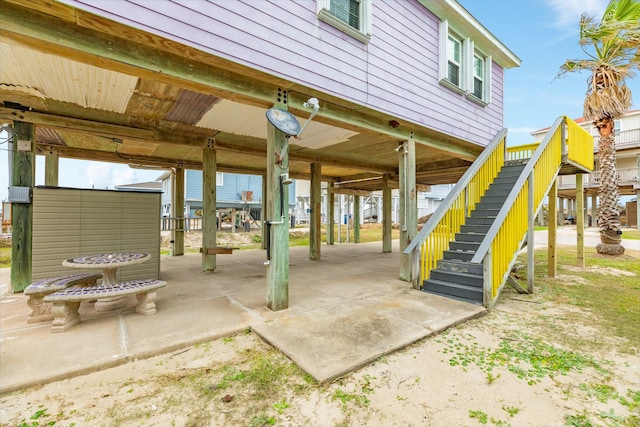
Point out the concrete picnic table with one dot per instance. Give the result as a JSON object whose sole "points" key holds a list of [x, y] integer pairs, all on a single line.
{"points": [[109, 263]]}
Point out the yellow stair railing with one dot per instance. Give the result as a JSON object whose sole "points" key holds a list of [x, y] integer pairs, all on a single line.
{"points": [[566, 142], [443, 225]]}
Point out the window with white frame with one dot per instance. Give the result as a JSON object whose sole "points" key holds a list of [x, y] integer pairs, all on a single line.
{"points": [[463, 68], [219, 179], [350, 16], [478, 76], [454, 59]]}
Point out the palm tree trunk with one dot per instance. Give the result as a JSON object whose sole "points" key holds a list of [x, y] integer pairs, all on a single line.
{"points": [[608, 212]]}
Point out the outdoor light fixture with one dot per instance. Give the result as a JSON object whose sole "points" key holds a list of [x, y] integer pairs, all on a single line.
{"points": [[287, 123], [402, 147], [285, 179]]}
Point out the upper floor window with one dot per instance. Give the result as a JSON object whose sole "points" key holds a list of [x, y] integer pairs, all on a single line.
{"points": [[463, 68], [478, 76], [454, 59], [351, 16]]}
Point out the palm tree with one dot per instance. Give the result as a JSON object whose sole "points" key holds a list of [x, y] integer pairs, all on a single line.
{"points": [[613, 49]]}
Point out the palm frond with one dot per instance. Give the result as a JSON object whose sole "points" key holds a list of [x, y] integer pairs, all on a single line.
{"points": [[613, 47]]}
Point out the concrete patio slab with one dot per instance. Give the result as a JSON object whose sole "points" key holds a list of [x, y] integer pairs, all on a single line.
{"points": [[345, 310], [332, 341]]}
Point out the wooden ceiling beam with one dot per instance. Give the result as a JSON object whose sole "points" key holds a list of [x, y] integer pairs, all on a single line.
{"points": [[233, 143]]}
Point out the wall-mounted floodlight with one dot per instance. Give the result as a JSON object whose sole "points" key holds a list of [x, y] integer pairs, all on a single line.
{"points": [[287, 123]]}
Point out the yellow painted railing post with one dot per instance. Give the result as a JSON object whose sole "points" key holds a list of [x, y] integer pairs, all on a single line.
{"points": [[553, 228], [530, 234], [580, 218]]}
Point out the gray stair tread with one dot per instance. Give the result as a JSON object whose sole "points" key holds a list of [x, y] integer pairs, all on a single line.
{"points": [[457, 273]]}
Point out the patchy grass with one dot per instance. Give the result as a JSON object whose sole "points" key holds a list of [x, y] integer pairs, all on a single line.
{"points": [[607, 290], [251, 390]]}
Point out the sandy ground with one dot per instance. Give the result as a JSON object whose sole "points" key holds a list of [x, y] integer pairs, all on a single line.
{"points": [[529, 362], [480, 373]]}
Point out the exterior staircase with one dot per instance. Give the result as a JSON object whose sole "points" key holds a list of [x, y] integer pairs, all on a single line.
{"points": [[469, 244], [455, 276]]}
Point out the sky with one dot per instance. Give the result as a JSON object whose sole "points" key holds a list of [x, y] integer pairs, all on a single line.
{"points": [[542, 33]]}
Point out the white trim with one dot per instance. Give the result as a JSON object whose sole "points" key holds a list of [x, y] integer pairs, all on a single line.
{"points": [[466, 81], [363, 34], [443, 55]]}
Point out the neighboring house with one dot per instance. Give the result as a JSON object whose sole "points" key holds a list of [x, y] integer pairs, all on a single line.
{"points": [[233, 191], [627, 137]]}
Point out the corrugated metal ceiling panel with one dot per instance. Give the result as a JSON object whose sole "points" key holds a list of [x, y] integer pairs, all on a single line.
{"points": [[190, 107], [48, 136], [240, 119], [65, 80]]}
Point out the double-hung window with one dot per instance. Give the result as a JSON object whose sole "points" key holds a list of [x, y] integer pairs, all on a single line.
{"points": [[454, 59], [350, 16], [478, 76], [463, 68]]}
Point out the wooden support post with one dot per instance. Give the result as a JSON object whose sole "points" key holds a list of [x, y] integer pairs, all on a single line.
{"points": [[356, 219], [278, 267], [234, 214], [316, 210], [331, 214], [177, 206], [347, 217], [51, 157], [340, 197], [23, 171], [209, 228], [580, 218], [553, 228], [263, 213], [408, 206], [386, 215], [530, 234]]}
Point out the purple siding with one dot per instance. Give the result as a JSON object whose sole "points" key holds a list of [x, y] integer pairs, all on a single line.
{"points": [[396, 72]]}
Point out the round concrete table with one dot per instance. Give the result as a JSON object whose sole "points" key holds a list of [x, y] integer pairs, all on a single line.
{"points": [[109, 263]]}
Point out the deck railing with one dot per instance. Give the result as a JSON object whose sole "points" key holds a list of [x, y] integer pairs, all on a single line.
{"points": [[627, 176], [180, 224]]}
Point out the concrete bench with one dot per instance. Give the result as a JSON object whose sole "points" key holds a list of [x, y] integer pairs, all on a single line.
{"points": [[41, 311], [67, 301]]}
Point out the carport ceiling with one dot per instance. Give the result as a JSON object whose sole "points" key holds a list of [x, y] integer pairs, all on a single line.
{"points": [[136, 103]]}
